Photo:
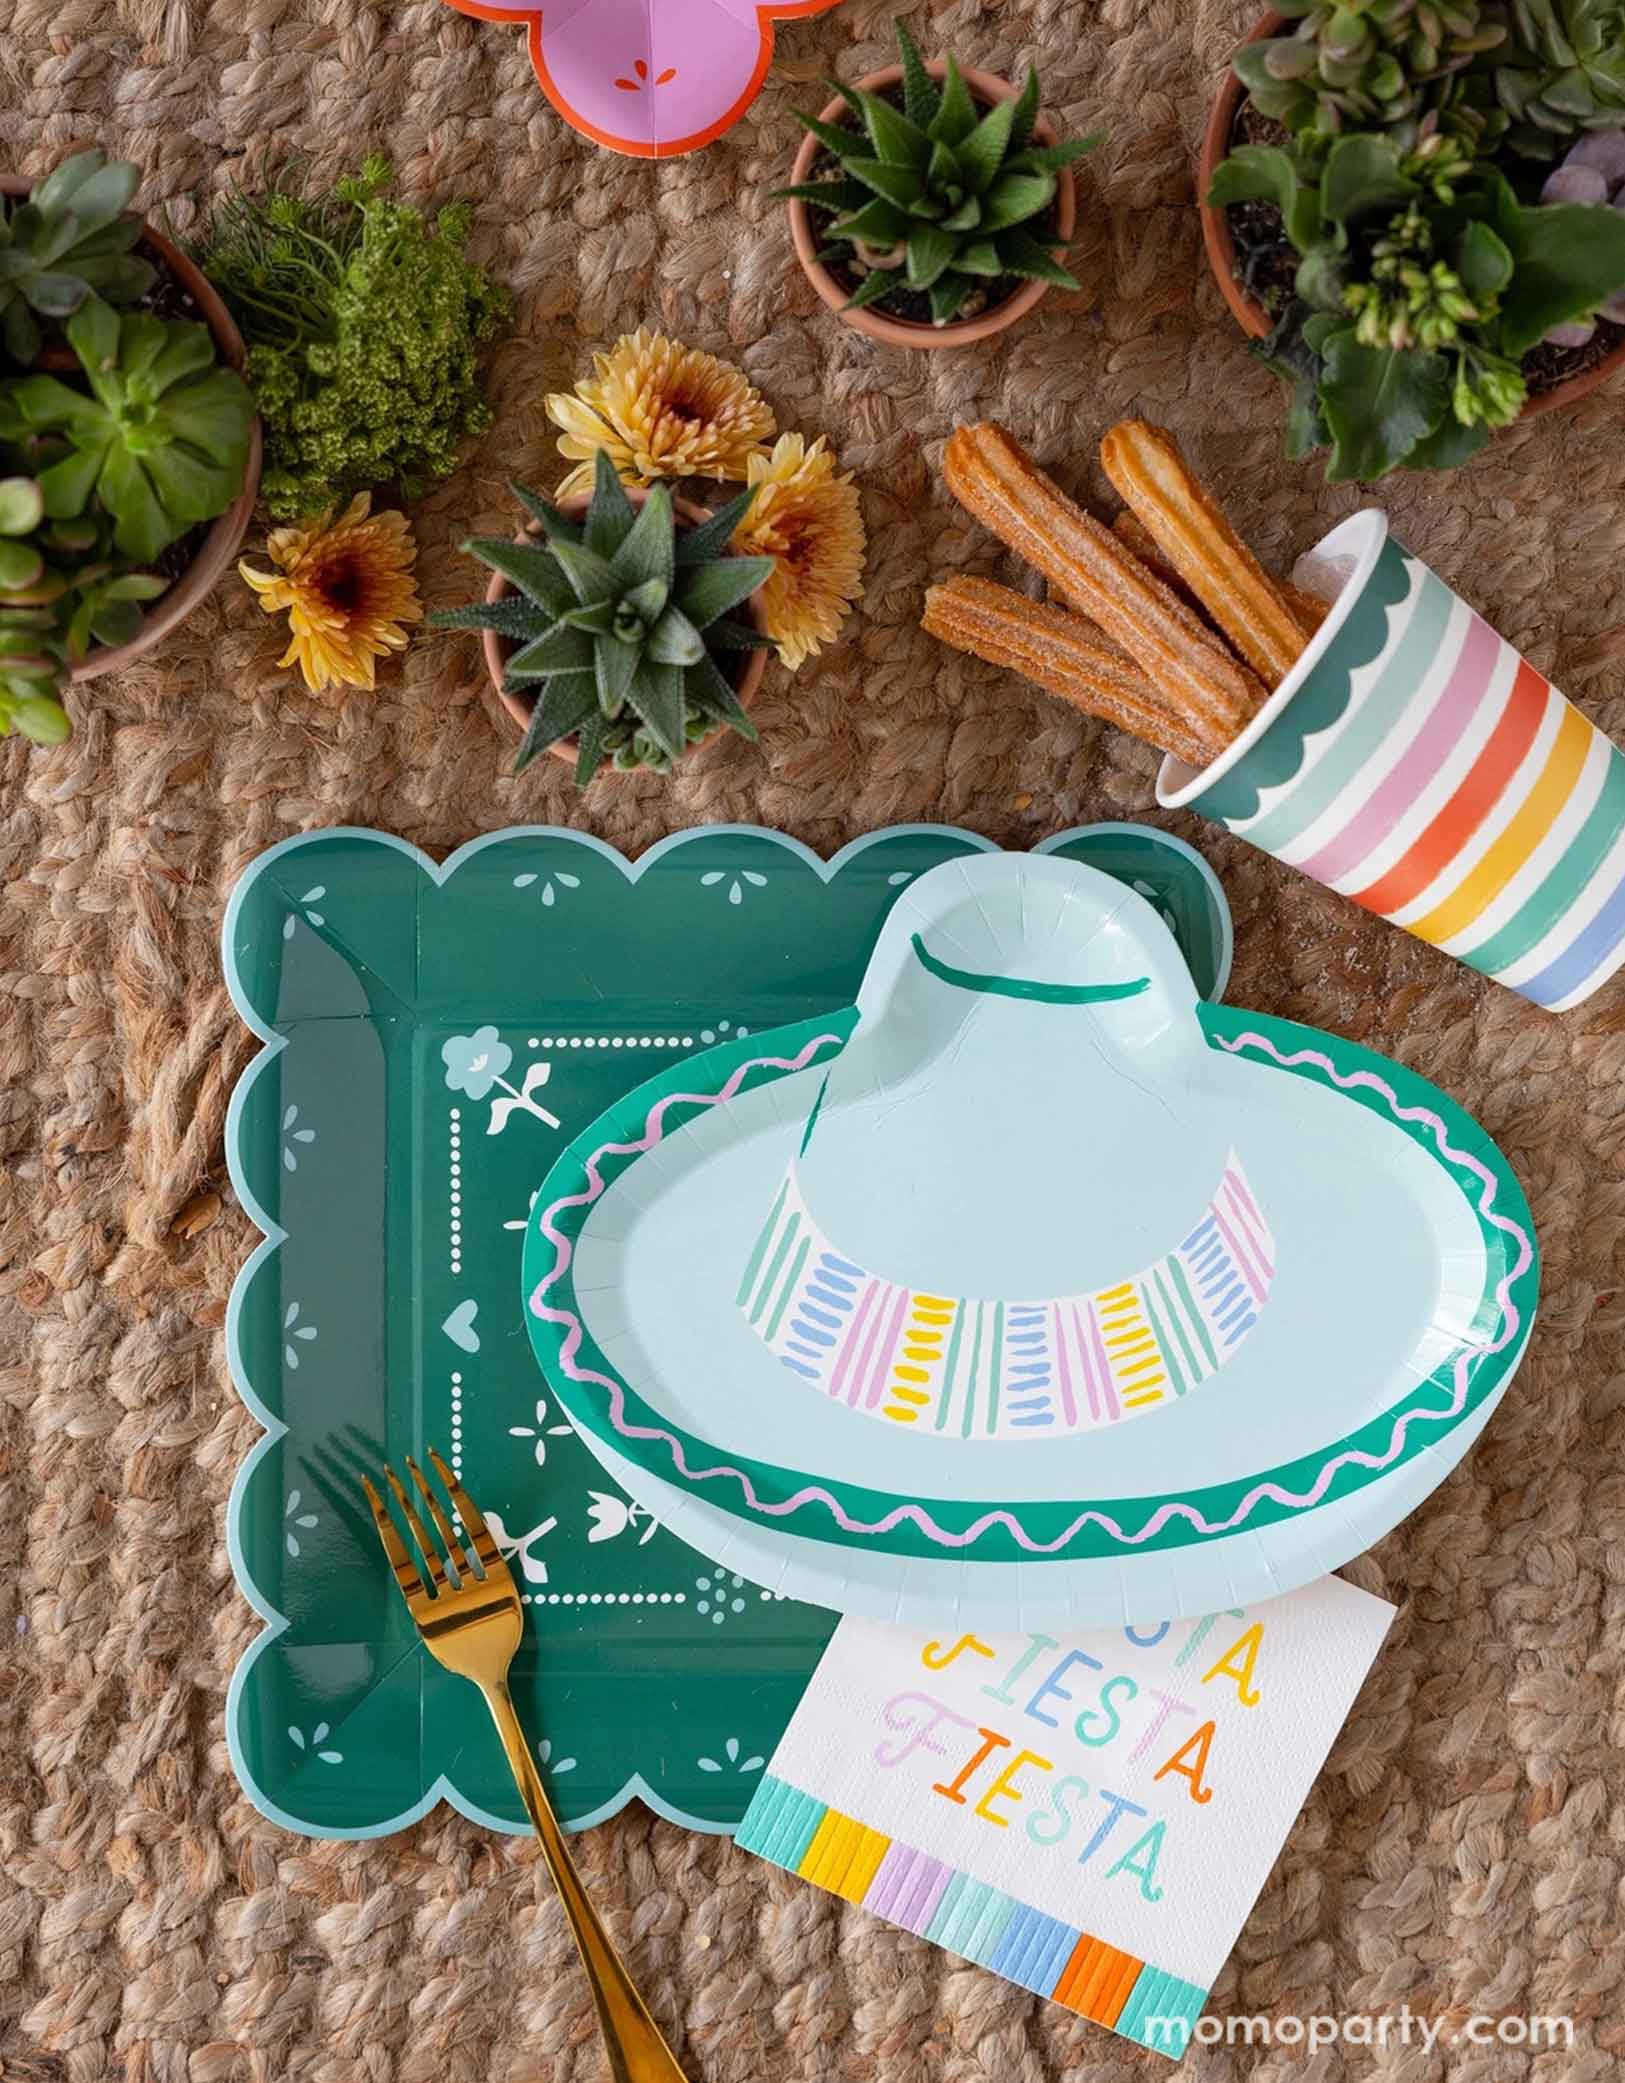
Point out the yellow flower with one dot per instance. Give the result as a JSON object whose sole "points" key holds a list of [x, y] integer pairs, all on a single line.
{"points": [[661, 410], [348, 590], [806, 515]]}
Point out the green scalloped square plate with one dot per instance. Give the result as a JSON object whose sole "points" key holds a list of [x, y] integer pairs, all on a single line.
{"points": [[434, 1037]]}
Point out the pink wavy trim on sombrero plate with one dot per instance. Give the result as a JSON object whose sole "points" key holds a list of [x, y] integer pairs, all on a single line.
{"points": [[654, 1129]]}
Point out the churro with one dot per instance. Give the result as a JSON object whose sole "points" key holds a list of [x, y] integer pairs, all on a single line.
{"points": [[1063, 653], [1308, 610], [993, 477], [1190, 528], [1138, 540]]}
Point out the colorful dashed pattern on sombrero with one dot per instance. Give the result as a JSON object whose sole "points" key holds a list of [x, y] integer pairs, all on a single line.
{"points": [[1455, 791], [994, 1369]]}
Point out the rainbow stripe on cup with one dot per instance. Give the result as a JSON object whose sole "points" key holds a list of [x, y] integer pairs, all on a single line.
{"points": [[1415, 763]]}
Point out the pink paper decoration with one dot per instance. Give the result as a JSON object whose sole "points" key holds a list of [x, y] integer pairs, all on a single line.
{"points": [[651, 78]]}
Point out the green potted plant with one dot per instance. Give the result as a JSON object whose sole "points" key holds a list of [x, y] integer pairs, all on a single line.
{"points": [[609, 625], [1422, 283], [1468, 99], [128, 444], [942, 198]]}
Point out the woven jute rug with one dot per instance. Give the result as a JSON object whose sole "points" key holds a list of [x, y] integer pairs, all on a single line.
{"points": [[1462, 1851]]}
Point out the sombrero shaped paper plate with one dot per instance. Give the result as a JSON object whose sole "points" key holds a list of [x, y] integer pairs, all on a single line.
{"points": [[1032, 1288]]}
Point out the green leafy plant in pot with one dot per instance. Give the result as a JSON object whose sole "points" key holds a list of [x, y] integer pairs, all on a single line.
{"points": [[1526, 77], [1422, 281], [71, 237], [1499, 87], [121, 433], [1372, 65], [620, 625]]}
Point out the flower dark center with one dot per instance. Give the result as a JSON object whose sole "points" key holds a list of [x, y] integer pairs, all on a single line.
{"points": [[344, 584], [798, 549]]}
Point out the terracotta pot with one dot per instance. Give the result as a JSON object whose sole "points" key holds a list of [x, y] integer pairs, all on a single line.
{"points": [[497, 648], [1253, 319], [987, 88], [225, 536]]}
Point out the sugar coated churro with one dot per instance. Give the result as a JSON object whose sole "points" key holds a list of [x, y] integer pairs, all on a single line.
{"points": [[1308, 610], [1138, 540], [991, 475], [1061, 652], [1189, 527]]}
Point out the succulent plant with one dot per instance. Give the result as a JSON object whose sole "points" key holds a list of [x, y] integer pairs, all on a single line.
{"points": [[1591, 171], [59, 592], [33, 656], [22, 510], [1367, 64], [936, 196], [1416, 299], [33, 671], [103, 471], [70, 239], [160, 439], [107, 604], [1559, 71], [619, 623]]}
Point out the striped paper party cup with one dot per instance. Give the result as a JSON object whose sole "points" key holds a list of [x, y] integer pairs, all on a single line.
{"points": [[1413, 761]]}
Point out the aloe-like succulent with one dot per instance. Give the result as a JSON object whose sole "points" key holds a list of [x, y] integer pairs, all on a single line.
{"points": [[1560, 71], [72, 238], [620, 622], [938, 196], [160, 438], [1354, 65]]}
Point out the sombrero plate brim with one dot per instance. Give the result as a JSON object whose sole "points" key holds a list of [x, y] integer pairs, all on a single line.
{"points": [[1404, 1298]]}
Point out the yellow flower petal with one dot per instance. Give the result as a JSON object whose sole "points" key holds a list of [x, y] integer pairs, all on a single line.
{"points": [[566, 410], [579, 480], [805, 514], [662, 410], [348, 592], [267, 582]]}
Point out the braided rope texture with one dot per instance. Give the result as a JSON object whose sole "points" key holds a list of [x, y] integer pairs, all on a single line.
{"points": [[1463, 1850]]}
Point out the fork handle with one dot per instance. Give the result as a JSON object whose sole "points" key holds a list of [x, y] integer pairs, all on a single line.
{"points": [[637, 2052]]}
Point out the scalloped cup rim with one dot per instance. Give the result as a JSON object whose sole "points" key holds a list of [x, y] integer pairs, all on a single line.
{"points": [[1359, 538], [988, 88]]}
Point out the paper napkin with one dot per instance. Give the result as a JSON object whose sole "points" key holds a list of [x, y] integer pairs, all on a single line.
{"points": [[1091, 1816]]}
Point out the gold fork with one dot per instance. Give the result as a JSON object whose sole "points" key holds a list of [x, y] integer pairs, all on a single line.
{"points": [[469, 1617]]}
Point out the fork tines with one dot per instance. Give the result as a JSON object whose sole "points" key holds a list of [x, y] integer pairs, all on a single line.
{"points": [[448, 1563]]}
